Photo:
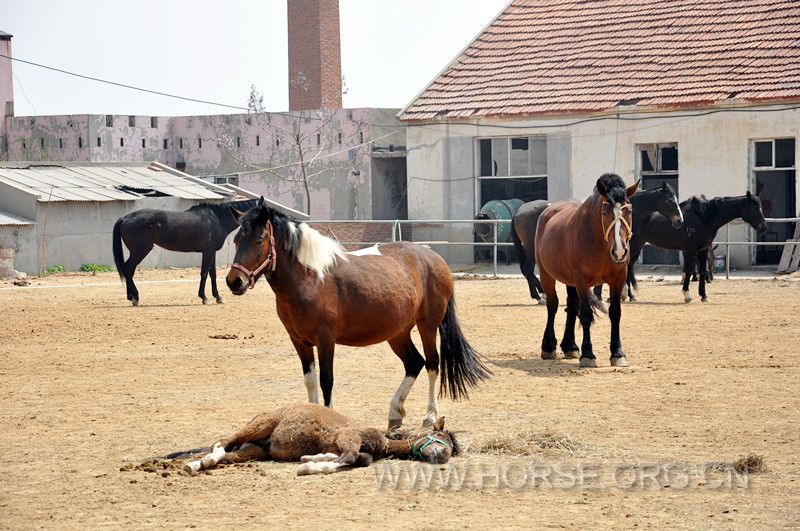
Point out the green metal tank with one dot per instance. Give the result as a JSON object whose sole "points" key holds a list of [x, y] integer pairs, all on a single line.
{"points": [[497, 209]]}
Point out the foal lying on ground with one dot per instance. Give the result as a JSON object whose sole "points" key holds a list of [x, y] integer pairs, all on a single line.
{"points": [[323, 440]]}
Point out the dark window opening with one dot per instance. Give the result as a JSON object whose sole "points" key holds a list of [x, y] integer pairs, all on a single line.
{"points": [[199, 143], [258, 140], [131, 121], [121, 142], [228, 179], [360, 137], [80, 142], [340, 139], [61, 143], [165, 143], [109, 120], [23, 144], [784, 153], [154, 122], [146, 192], [647, 162], [669, 159], [143, 143], [486, 157], [41, 141], [180, 143], [764, 154], [98, 141], [238, 142], [319, 139]]}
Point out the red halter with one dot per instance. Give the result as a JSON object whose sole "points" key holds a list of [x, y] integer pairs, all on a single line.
{"points": [[270, 262]]}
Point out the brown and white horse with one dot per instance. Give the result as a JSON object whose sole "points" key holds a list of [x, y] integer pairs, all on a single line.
{"points": [[327, 297], [323, 440], [583, 245]]}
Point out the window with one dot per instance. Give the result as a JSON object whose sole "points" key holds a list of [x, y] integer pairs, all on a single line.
{"points": [[41, 141], [774, 178], [339, 138], [258, 140], [24, 146], [777, 153], [180, 143], [131, 121], [199, 143], [238, 142], [61, 143], [360, 137], [109, 120], [655, 164], [319, 139], [80, 142], [153, 122], [121, 142], [227, 179], [165, 143], [143, 143], [98, 141], [511, 168]]}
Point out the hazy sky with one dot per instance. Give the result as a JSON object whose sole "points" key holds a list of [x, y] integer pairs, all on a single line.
{"points": [[214, 50]]}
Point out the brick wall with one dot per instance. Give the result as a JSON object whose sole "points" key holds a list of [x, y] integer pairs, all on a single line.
{"points": [[314, 54]]}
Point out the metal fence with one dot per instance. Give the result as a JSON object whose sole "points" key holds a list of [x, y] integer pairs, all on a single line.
{"points": [[397, 234]]}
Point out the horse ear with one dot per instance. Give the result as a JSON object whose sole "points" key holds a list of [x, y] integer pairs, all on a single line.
{"points": [[439, 425], [749, 195], [260, 202], [237, 215], [629, 191], [601, 186], [663, 185]]}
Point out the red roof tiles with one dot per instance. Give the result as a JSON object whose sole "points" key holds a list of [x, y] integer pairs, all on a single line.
{"points": [[577, 56]]}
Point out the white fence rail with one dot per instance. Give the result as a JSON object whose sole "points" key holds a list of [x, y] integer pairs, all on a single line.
{"points": [[397, 234]]}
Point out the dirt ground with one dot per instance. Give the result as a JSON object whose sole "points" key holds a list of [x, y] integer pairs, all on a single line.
{"points": [[89, 384]]}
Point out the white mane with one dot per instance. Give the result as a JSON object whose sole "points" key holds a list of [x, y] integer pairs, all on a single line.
{"points": [[316, 251]]}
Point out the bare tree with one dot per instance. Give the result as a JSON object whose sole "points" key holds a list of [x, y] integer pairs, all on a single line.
{"points": [[303, 145]]}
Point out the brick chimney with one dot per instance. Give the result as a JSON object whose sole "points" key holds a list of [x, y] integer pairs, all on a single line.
{"points": [[6, 92], [315, 62]]}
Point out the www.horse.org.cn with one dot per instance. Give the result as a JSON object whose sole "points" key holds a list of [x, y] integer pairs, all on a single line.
{"points": [[519, 475]]}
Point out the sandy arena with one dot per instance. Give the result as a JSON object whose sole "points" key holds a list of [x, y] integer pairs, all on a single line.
{"points": [[90, 384]]}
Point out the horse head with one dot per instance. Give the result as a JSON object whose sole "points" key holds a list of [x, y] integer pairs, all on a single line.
{"points": [[667, 205], [436, 446], [255, 247], [752, 214], [615, 214]]}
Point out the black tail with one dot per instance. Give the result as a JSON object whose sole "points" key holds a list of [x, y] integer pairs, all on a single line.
{"points": [[461, 365], [518, 247], [185, 454], [119, 259], [596, 303], [631, 275]]}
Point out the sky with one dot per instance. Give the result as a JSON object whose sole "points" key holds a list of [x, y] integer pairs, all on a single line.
{"points": [[215, 51]]}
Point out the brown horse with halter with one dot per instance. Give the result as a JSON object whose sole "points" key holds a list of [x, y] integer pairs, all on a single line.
{"points": [[583, 245], [327, 297], [323, 440]]}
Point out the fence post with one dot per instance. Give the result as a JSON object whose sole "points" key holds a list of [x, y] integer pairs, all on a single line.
{"points": [[728, 252], [495, 247]]}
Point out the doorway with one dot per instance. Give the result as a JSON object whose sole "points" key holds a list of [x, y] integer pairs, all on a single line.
{"points": [[658, 163], [775, 184]]}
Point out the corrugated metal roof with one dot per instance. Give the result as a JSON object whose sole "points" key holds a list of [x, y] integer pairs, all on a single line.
{"points": [[105, 183], [577, 56], [7, 218]]}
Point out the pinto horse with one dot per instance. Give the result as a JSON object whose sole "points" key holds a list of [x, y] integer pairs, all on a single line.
{"points": [[583, 245], [202, 229], [643, 203], [322, 439], [327, 297]]}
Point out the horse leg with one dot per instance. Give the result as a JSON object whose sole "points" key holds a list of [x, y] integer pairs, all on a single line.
{"points": [[618, 358], [137, 254], [325, 348], [203, 274], [528, 270], [348, 444], [586, 317], [702, 263], [688, 267], [259, 428], [413, 362], [212, 273], [568, 346], [306, 355], [549, 338], [428, 336]]}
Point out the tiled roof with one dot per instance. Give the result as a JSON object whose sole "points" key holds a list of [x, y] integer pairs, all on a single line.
{"points": [[577, 56], [106, 182]]}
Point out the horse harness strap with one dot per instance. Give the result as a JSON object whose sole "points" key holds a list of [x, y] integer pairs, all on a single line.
{"points": [[416, 452], [607, 230], [270, 262]]}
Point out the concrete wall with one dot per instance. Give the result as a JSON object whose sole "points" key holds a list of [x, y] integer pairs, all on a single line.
{"points": [[714, 153]]}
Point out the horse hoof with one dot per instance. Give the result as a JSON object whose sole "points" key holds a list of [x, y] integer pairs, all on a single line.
{"points": [[588, 363], [394, 424], [135, 302], [572, 354], [633, 299], [686, 297], [192, 467], [620, 361], [206, 301], [548, 355], [542, 301], [220, 301], [704, 299]]}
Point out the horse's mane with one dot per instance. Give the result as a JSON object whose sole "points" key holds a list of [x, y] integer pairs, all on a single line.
{"points": [[615, 185], [303, 242], [703, 207], [219, 208]]}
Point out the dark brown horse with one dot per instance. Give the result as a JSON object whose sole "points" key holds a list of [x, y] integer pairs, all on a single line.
{"points": [[327, 297], [583, 245], [322, 439]]}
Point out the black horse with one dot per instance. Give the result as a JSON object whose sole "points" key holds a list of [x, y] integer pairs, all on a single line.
{"points": [[523, 227], [201, 229], [702, 219]]}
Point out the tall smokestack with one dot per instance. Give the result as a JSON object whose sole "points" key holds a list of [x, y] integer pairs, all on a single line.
{"points": [[6, 92], [315, 62]]}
